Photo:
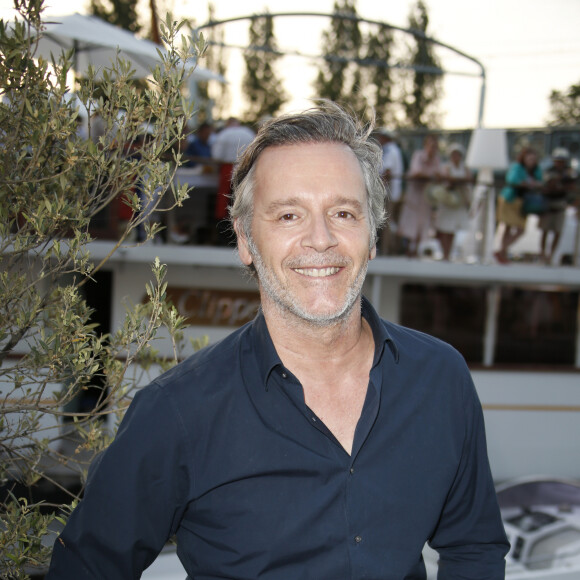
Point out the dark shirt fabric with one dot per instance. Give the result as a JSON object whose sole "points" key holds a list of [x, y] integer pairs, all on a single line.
{"points": [[196, 148], [557, 189], [223, 452]]}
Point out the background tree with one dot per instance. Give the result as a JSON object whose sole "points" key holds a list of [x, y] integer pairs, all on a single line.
{"points": [[339, 77], [214, 97], [122, 13], [377, 73], [53, 182], [261, 85], [424, 89], [565, 106]]}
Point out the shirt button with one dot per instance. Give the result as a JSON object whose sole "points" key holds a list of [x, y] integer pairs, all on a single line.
{"points": [[351, 470], [358, 539], [284, 375]]}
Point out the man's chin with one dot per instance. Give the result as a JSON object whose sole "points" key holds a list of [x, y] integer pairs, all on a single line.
{"points": [[323, 315]]}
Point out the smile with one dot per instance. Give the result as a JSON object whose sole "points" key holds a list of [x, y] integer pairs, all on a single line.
{"points": [[317, 272]]}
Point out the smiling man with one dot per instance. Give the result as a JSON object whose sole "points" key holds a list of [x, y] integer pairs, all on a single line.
{"points": [[317, 442]]}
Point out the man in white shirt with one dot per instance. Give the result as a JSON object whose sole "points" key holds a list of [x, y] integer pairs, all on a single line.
{"points": [[229, 143], [392, 173]]}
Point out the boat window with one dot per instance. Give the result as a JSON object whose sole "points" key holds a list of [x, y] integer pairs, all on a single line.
{"points": [[455, 314], [536, 326]]}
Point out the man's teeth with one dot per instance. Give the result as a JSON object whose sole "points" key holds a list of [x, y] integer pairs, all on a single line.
{"points": [[318, 272]]}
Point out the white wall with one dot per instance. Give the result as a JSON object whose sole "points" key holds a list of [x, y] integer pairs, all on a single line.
{"points": [[532, 422]]}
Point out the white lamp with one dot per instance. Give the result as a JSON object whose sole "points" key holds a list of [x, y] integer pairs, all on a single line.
{"points": [[487, 152]]}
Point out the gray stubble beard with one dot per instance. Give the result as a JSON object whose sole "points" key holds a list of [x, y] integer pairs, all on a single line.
{"points": [[281, 298]]}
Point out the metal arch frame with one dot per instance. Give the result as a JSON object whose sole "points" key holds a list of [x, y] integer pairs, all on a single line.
{"points": [[411, 31]]}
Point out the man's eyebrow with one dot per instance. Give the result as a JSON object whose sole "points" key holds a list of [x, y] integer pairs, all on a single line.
{"points": [[350, 202], [295, 201], [281, 204]]}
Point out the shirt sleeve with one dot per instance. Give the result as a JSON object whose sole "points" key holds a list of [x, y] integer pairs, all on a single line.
{"points": [[515, 175], [134, 498], [470, 537]]}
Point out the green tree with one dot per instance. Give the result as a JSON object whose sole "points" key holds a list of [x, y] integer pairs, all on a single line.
{"points": [[425, 87], [565, 106], [261, 85], [53, 183], [213, 97], [377, 74], [339, 78]]}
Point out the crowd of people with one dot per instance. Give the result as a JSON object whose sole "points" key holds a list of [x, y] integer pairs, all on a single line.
{"points": [[430, 199], [435, 201], [530, 190]]}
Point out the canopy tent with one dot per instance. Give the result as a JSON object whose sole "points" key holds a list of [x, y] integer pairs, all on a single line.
{"points": [[96, 42]]}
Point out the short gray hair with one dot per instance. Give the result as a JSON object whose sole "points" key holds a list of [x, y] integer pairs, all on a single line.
{"points": [[325, 123]]}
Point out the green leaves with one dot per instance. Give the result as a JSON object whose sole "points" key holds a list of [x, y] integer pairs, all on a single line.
{"points": [[565, 106], [53, 182], [22, 529]]}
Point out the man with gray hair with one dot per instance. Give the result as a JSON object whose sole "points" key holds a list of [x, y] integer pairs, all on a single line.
{"points": [[316, 442]]}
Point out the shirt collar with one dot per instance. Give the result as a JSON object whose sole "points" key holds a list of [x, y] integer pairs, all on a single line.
{"points": [[381, 335], [267, 358]]}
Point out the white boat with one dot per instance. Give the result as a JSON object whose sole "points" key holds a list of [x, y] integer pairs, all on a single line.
{"points": [[542, 521]]}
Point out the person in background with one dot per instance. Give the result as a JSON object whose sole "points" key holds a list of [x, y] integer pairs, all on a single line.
{"points": [[415, 219], [316, 442], [559, 186], [523, 175], [198, 146], [392, 173], [453, 213], [228, 144]]}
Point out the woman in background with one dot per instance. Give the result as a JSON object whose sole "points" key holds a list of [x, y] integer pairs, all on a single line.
{"points": [[453, 215], [523, 176], [415, 218]]}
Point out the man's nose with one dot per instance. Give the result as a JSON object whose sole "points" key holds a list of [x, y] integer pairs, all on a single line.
{"points": [[319, 234]]}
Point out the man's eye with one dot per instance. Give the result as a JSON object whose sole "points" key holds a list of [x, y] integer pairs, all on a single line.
{"points": [[287, 217], [344, 214]]}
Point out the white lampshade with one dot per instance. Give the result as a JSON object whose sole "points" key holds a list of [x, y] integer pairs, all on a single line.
{"points": [[487, 149]]}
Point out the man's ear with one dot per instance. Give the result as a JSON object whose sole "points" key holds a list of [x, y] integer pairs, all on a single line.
{"points": [[243, 248], [373, 252]]}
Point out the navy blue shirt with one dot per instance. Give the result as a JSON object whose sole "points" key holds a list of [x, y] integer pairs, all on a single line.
{"points": [[196, 148], [223, 452]]}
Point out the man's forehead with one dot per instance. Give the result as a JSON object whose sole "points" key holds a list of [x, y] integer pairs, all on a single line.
{"points": [[292, 174], [307, 153]]}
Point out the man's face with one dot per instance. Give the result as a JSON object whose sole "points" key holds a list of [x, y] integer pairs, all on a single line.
{"points": [[431, 145], [205, 133], [559, 164], [530, 160], [456, 158], [310, 231]]}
